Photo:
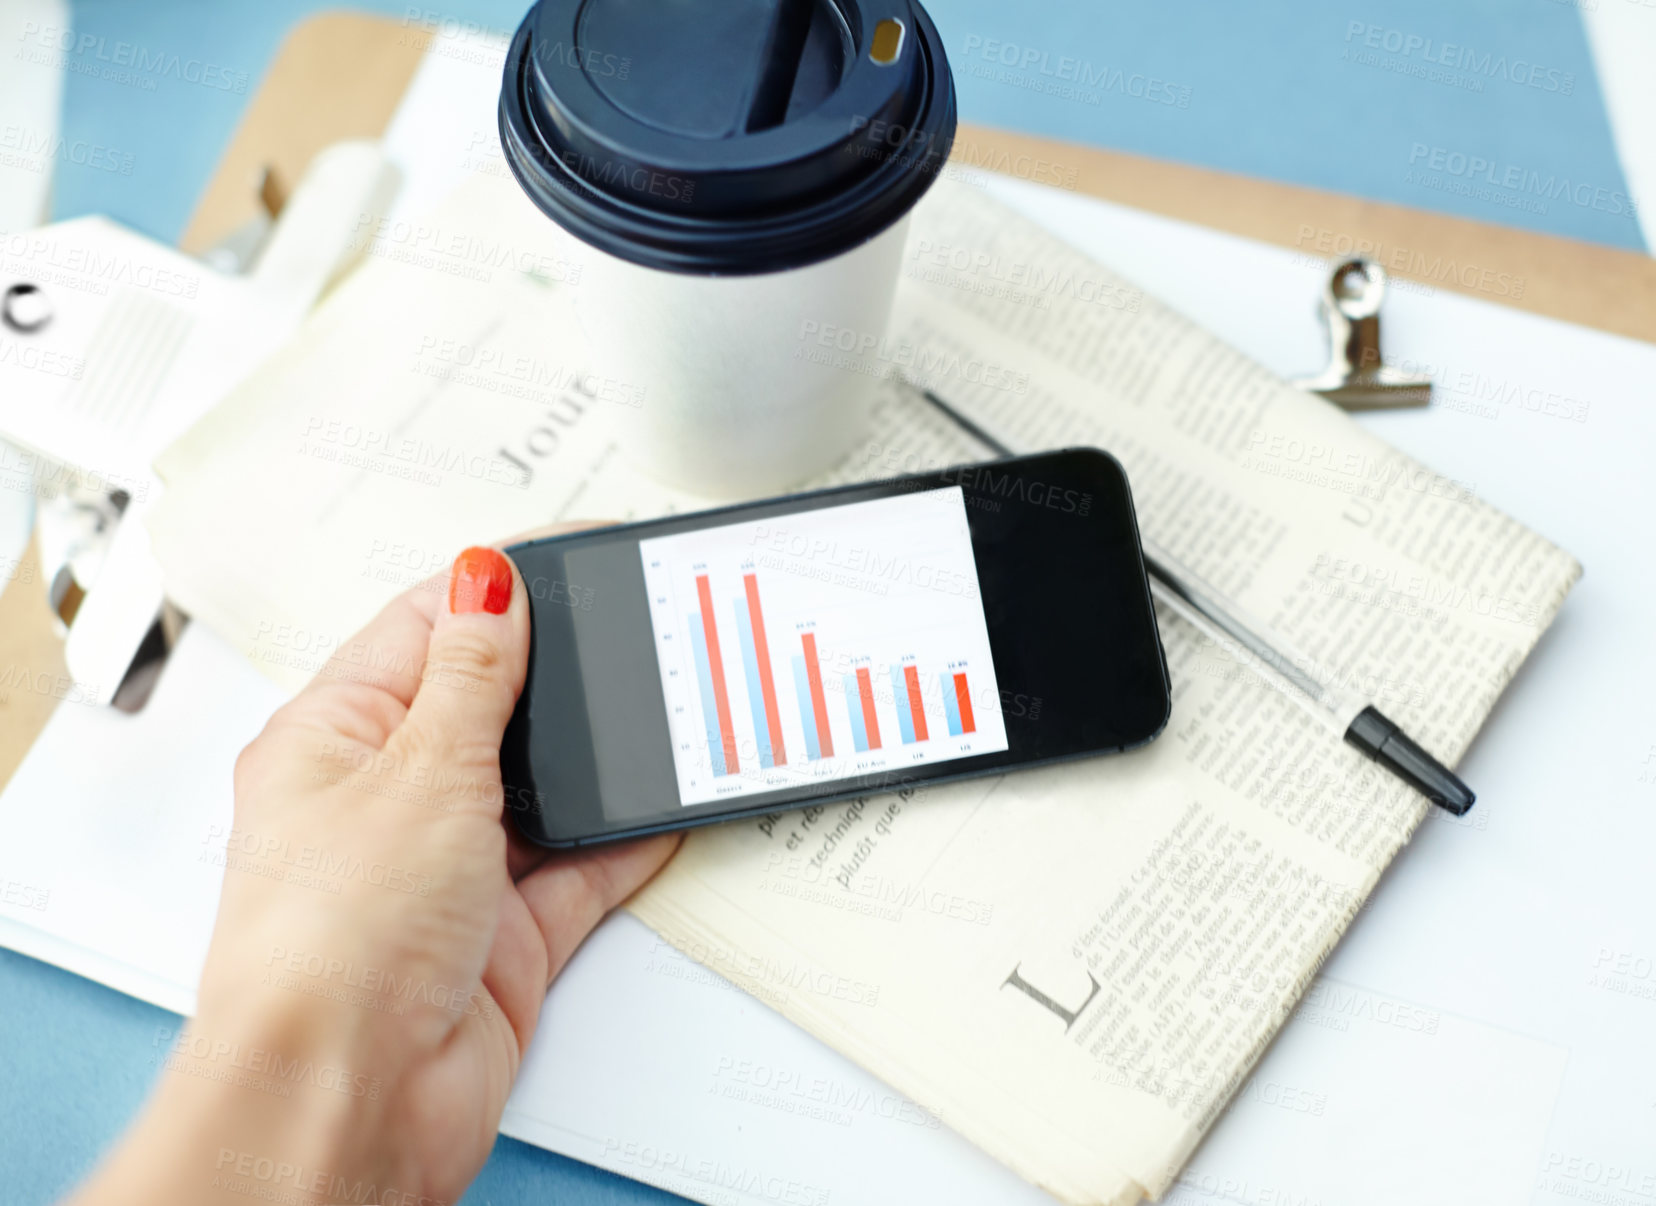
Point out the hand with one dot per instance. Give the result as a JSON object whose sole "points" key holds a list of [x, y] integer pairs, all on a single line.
{"points": [[383, 943]]}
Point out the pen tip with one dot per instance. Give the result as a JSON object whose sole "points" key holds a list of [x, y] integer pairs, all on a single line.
{"points": [[1457, 799], [1381, 739]]}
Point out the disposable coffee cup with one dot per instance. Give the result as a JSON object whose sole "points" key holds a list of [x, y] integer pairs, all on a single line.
{"points": [[739, 176]]}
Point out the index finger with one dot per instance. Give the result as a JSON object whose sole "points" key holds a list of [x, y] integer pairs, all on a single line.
{"points": [[364, 690]]}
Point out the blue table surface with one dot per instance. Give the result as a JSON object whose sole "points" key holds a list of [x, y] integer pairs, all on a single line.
{"points": [[1326, 93]]}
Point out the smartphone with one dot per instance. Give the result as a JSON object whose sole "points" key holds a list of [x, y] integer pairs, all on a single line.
{"points": [[823, 646]]}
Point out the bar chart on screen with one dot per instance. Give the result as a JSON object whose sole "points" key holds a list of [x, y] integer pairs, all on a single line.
{"points": [[822, 645]]}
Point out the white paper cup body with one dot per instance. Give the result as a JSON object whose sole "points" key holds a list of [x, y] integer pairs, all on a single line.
{"points": [[744, 385]]}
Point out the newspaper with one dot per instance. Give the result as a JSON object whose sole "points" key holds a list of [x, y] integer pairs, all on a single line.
{"points": [[1077, 966]]}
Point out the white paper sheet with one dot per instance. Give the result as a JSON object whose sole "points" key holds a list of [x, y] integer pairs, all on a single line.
{"points": [[31, 95]]}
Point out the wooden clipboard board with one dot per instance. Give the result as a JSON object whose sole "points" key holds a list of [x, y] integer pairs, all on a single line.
{"points": [[342, 75]]}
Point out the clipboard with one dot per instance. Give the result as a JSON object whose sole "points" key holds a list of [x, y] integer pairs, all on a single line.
{"points": [[342, 75]]}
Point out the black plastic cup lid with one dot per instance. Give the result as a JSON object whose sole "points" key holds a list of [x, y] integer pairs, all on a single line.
{"points": [[728, 136]]}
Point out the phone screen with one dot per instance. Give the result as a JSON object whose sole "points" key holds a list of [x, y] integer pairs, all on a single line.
{"points": [[799, 650], [867, 638]]}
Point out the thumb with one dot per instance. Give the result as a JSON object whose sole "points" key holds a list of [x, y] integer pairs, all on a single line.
{"points": [[475, 666]]}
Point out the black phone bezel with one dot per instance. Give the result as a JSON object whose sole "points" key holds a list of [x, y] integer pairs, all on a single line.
{"points": [[1046, 528]]}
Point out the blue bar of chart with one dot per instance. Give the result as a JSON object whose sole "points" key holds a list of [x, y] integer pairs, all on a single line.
{"points": [[951, 706], [802, 688], [704, 677], [756, 697], [899, 692], [859, 725]]}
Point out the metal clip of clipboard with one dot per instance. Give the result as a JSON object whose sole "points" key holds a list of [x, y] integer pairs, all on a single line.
{"points": [[104, 588], [1357, 376]]}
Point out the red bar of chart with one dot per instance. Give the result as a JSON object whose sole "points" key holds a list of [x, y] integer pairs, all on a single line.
{"points": [[871, 722], [773, 718], [819, 702], [957, 704], [917, 712], [963, 700], [721, 696]]}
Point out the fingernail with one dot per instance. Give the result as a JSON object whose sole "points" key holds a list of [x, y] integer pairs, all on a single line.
{"points": [[481, 581]]}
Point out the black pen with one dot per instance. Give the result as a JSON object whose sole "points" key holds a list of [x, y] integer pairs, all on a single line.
{"points": [[1356, 720]]}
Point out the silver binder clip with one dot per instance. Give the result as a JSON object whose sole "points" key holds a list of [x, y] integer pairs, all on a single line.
{"points": [[1357, 378], [24, 308], [239, 250], [106, 594]]}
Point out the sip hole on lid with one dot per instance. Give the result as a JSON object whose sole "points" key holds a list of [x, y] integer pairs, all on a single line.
{"points": [[888, 41]]}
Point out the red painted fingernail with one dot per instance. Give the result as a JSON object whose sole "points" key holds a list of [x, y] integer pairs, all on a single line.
{"points": [[481, 581]]}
